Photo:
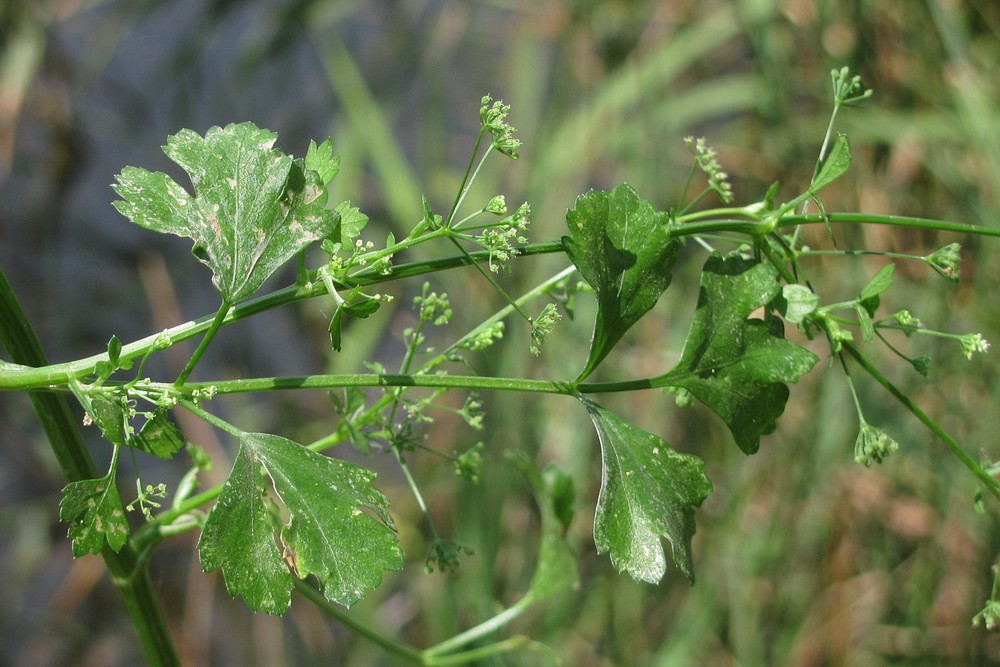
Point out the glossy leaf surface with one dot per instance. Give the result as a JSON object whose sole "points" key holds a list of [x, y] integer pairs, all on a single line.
{"points": [[648, 491], [253, 206], [339, 527], [623, 249], [734, 364]]}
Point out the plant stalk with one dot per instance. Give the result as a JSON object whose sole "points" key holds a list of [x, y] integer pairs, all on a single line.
{"points": [[991, 484], [131, 580]]}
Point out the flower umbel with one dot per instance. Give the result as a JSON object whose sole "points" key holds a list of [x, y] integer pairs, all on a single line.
{"points": [[704, 155], [493, 116], [542, 326], [847, 88], [972, 343], [946, 261], [500, 239], [873, 445]]}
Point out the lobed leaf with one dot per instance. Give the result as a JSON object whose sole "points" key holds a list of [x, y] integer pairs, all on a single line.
{"points": [[648, 490], [734, 365], [93, 509], [239, 538], [322, 160], [623, 250], [253, 206], [352, 221], [329, 534]]}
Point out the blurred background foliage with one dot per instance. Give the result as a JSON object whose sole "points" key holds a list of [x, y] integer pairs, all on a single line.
{"points": [[803, 557]]}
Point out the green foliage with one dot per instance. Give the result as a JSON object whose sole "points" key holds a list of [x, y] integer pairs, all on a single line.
{"points": [[623, 248], [737, 366], [288, 512], [327, 533], [648, 490], [836, 164], [253, 206], [159, 436], [93, 510]]}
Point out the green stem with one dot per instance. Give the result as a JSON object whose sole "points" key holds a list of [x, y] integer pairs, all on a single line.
{"points": [[476, 654], [338, 381], [131, 580], [60, 374], [991, 484], [464, 187], [493, 283], [487, 627], [49, 376], [342, 616], [213, 328], [895, 220]]}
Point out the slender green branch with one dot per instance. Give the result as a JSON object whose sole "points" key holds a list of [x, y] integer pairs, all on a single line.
{"points": [[60, 374], [991, 484], [400, 649], [464, 187], [487, 627], [336, 381], [895, 220], [479, 653], [213, 328]]}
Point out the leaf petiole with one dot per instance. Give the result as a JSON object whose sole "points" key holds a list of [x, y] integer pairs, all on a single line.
{"points": [[213, 328]]}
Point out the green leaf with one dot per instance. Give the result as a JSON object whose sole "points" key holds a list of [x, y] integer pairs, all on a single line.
{"points": [[352, 221], [879, 283], [336, 340], [239, 538], [647, 491], [800, 302], [108, 414], [865, 321], [556, 569], [159, 436], [362, 309], [322, 160], [431, 219], [836, 164], [253, 209], [114, 350], [734, 365], [94, 512], [623, 249], [328, 533]]}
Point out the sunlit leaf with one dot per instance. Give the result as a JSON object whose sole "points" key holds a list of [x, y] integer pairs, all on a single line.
{"points": [[622, 248], [648, 491], [338, 529], [322, 160], [253, 207], [352, 221], [735, 365]]}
